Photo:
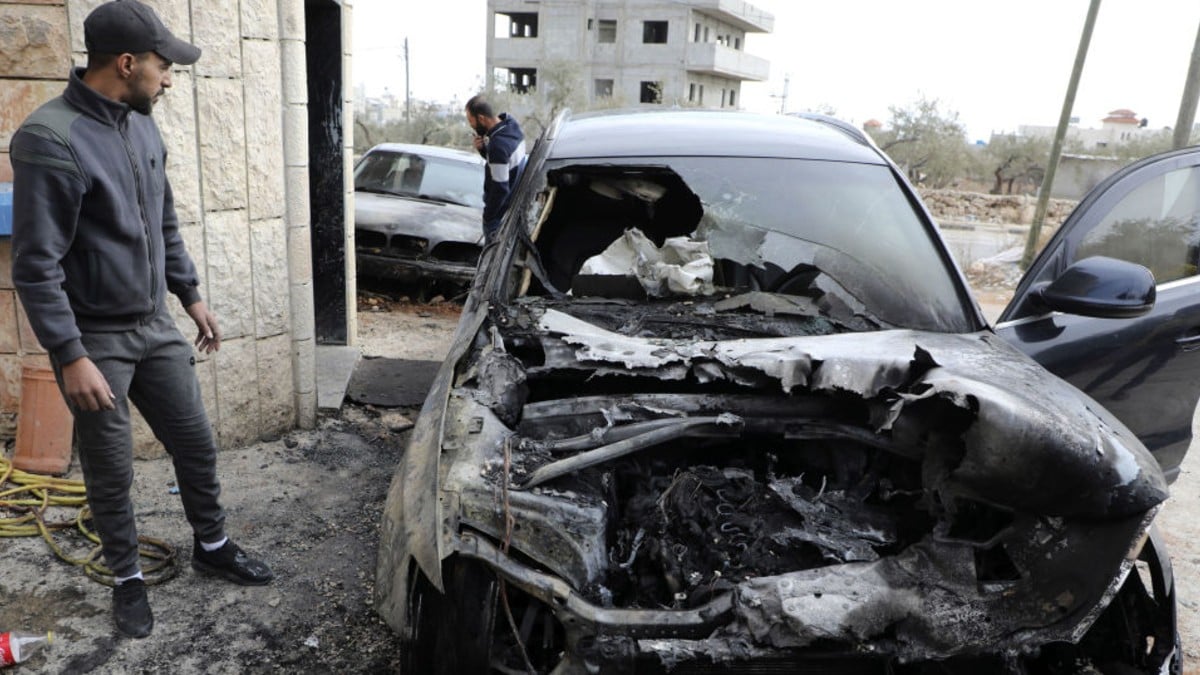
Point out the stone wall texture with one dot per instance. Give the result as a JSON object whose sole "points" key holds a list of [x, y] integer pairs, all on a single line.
{"points": [[240, 194]]}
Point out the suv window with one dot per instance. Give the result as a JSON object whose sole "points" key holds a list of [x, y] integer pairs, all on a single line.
{"points": [[794, 227], [1155, 225]]}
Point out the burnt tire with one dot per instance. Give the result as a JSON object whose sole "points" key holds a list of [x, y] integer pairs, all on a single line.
{"points": [[451, 632]]}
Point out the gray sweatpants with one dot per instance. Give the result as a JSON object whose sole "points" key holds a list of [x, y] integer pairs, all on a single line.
{"points": [[153, 366]]}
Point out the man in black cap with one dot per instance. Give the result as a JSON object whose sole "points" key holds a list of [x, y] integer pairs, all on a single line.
{"points": [[96, 248]]}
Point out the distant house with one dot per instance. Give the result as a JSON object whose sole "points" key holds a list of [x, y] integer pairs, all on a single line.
{"points": [[1119, 126], [648, 52]]}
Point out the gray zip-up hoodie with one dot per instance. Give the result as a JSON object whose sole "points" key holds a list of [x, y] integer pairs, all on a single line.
{"points": [[96, 242]]}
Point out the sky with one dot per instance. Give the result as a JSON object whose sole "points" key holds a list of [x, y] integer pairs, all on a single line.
{"points": [[999, 65]]}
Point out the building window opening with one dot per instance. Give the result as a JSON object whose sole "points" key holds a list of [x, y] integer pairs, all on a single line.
{"points": [[651, 92], [701, 101], [517, 25], [654, 32], [607, 31], [737, 43], [732, 99], [722, 98], [591, 24], [696, 37], [706, 33], [603, 88], [521, 80], [692, 93]]}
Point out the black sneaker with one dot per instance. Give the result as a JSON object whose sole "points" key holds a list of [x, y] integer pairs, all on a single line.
{"points": [[231, 562], [131, 609]]}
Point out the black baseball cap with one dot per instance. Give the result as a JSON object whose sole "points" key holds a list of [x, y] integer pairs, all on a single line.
{"points": [[123, 26]]}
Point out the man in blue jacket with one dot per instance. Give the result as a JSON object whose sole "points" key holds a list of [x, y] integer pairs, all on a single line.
{"points": [[499, 139], [96, 249]]}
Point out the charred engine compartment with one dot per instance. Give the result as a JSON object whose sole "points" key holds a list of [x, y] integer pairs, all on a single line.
{"points": [[690, 519]]}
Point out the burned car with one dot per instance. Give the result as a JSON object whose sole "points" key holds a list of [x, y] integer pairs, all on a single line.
{"points": [[721, 401], [418, 213]]}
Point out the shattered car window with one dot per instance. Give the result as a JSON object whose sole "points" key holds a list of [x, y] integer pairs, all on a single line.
{"points": [[409, 175], [841, 235]]}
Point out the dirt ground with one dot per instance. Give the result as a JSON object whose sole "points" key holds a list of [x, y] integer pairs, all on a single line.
{"points": [[310, 504]]}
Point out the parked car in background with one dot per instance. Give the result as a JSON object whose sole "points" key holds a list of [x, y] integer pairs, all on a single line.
{"points": [[721, 401], [417, 212]]}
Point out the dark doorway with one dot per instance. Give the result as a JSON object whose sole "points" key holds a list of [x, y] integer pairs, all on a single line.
{"points": [[326, 179]]}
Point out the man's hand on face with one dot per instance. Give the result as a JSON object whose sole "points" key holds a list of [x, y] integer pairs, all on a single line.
{"points": [[86, 387], [208, 337], [478, 141]]}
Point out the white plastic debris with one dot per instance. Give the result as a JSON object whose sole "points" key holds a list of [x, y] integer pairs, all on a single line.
{"points": [[681, 267]]}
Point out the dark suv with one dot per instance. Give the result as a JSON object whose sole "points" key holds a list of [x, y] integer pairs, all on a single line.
{"points": [[721, 401]]}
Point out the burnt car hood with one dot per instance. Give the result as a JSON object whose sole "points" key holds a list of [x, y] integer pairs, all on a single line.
{"points": [[418, 217], [1035, 443]]}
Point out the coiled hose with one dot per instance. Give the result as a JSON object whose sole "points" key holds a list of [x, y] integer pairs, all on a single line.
{"points": [[25, 499]]}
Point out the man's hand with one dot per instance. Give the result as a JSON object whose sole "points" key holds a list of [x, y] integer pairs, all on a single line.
{"points": [[208, 339], [478, 141], [86, 387]]}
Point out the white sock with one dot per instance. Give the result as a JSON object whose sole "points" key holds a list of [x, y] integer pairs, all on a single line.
{"points": [[120, 580], [209, 548]]}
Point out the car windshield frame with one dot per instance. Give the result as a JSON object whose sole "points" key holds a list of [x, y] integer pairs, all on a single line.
{"points": [[920, 297]]}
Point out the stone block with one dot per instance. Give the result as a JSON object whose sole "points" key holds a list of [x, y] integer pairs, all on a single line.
{"points": [[291, 20], [237, 393], [214, 29], [295, 71], [10, 383], [304, 360], [222, 143], [298, 199], [193, 239], [300, 269], [176, 117], [206, 375], [33, 41], [276, 387], [77, 11], [264, 129], [260, 19], [231, 292], [18, 98], [272, 311], [29, 341], [10, 337], [5, 263], [295, 136], [303, 316], [6, 174], [176, 14], [306, 410]]}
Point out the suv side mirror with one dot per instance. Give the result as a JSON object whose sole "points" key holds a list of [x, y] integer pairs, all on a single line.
{"points": [[1102, 287]]}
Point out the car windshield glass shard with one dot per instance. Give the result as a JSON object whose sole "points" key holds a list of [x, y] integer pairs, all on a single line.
{"points": [[841, 234], [410, 175]]}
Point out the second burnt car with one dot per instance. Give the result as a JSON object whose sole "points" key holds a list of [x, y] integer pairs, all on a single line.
{"points": [[721, 401], [418, 213]]}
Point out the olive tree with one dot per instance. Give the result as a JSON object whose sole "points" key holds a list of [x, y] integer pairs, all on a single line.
{"points": [[929, 143]]}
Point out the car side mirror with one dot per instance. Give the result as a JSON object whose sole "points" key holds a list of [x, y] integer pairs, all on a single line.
{"points": [[1101, 287]]}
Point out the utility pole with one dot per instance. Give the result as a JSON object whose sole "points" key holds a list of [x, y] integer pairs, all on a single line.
{"points": [[1187, 106], [407, 91], [1064, 119], [783, 97]]}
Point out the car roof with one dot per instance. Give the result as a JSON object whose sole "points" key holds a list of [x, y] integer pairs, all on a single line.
{"points": [[708, 133], [429, 151]]}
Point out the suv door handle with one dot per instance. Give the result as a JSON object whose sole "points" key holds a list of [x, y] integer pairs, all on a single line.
{"points": [[1189, 342]]}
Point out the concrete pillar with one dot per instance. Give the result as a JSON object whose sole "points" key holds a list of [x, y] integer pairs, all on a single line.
{"points": [[296, 216]]}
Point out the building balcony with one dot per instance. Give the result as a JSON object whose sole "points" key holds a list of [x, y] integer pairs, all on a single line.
{"points": [[737, 13], [713, 59]]}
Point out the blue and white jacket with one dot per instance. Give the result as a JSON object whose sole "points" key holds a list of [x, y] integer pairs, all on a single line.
{"points": [[504, 150]]}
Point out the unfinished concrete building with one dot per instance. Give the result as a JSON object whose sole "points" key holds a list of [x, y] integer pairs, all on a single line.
{"points": [[635, 52]]}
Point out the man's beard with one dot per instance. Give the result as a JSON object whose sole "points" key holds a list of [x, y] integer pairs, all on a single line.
{"points": [[144, 105], [481, 130]]}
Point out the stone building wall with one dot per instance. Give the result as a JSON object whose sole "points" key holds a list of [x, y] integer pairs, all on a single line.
{"points": [[241, 200]]}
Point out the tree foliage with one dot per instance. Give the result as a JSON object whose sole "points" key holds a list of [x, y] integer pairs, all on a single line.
{"points": [[929, 143], [1016, 161]]}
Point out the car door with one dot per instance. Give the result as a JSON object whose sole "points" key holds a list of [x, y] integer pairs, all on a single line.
{"points": [[1145, 370]]}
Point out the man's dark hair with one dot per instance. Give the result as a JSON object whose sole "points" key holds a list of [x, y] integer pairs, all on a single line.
{"points": [[478, 106]]}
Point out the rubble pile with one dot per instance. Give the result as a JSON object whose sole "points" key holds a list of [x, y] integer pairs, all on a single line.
{"points": [[953, 205]]}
